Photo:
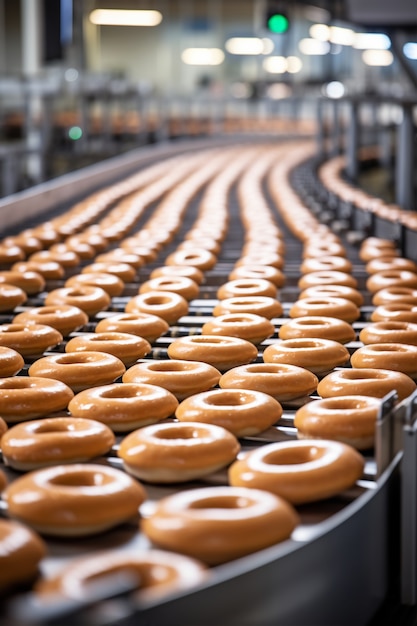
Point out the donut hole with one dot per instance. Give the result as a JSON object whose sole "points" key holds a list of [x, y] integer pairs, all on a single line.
{"points": [[229, 399], [186, 432], [209, 340], [221, 502], [361, 374], [80, 479], [168, 366], [120, 392], [346, 404], [75, 358], [293, 456], [136, 577], [158, 300], [57, 427], [301, 344], [13, 328]]}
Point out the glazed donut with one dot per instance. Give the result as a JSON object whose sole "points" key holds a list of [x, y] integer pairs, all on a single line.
{"points": [[11, 297], [64, 318], [365, 382], [219, 351], [243, 412], [315, 354], [374, 247], [340, 308], [110, 283], [50, 270], [158, 573], [10, 254], [145, 325], [350, 419], [285, 383], [321, 248], [29, 340], [11, 362], [395, 295], [201, 259], [126, 347], [24, 240], [123, 271], [333, 291], [261, 257], [391, 278], [124, 406], [119, 255], [182, 285], [390, 263], [3, 428], [318, 326], [165, 304], [249, 326], [325, 264], [395, 312], [400, 357], [389, 332], [30, 282], [74, 500], [181, 378], [329, 277], [260, 305], [82, 249], [237, 521], [66, 258], [265, 272], [21, 551], [179, 270], [23, 398], [299, 471], [89, 299], [79, 370], [49, 441], [247, 287], [177, 452]]}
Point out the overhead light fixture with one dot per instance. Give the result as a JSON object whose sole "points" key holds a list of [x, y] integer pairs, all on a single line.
{"points": [[294, 65], [377, 58], [371, 41], [125, 17], [320, 32], [342, 36], [248, 45], [275, 65], [310, 46], [410, 50], [202, 56]]}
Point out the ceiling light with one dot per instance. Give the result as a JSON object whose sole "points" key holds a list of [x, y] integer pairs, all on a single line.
{"points": [[377, 58], [245, 45], [342, 36], [125, 17], [410, 50], [311, 46], [294, 65], [374, 41], [275, 65], [202, 56]]}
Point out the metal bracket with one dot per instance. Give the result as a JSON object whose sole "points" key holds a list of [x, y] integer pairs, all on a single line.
{"points": [[384, 433]]}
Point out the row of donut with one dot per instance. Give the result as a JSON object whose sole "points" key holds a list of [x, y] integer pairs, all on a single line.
{"points": [[268, 235]]}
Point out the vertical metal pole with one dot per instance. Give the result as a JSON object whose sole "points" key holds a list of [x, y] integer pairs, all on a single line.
{"points": [[352, 141], [404, 174], [408, 528]]}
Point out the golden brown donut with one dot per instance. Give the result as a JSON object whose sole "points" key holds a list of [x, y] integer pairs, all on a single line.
{"points": [[184, 286], [201, 259], [247, 287], [67, 258], [145, 325], [243, 412], [340, 308], [3, 428], [265, 272], [11, 362], [318, 326], [112, 284], [299, 471], [319, 247], [376, 247], [334, 291], [177, 452], [126, 347], [365, 382], [3, 479], [325, 264], [64, 318], [179, 270], [82, 249], [389, 332], [219, 351], [50, 270], [49, 441], [350, 419], [79, 370], [23, 398], [21, 551], [119, 255], [124, 271], [182, 378], [24, 240], [89, 299], [398, 312], [30, 282], [388, 263], [400, 357], [11, 297], [74, 500], [327, 277], [261, 257], [394, 295], [391, 278], [238, 520], [249, 326], [29, 340], [158, 573], [260, 305], [315, 354], [10, 254], [285, 383], [124, 406], [165, 304]]}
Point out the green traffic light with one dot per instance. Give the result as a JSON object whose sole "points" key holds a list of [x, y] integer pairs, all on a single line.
{"points": [[278, 23]]}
